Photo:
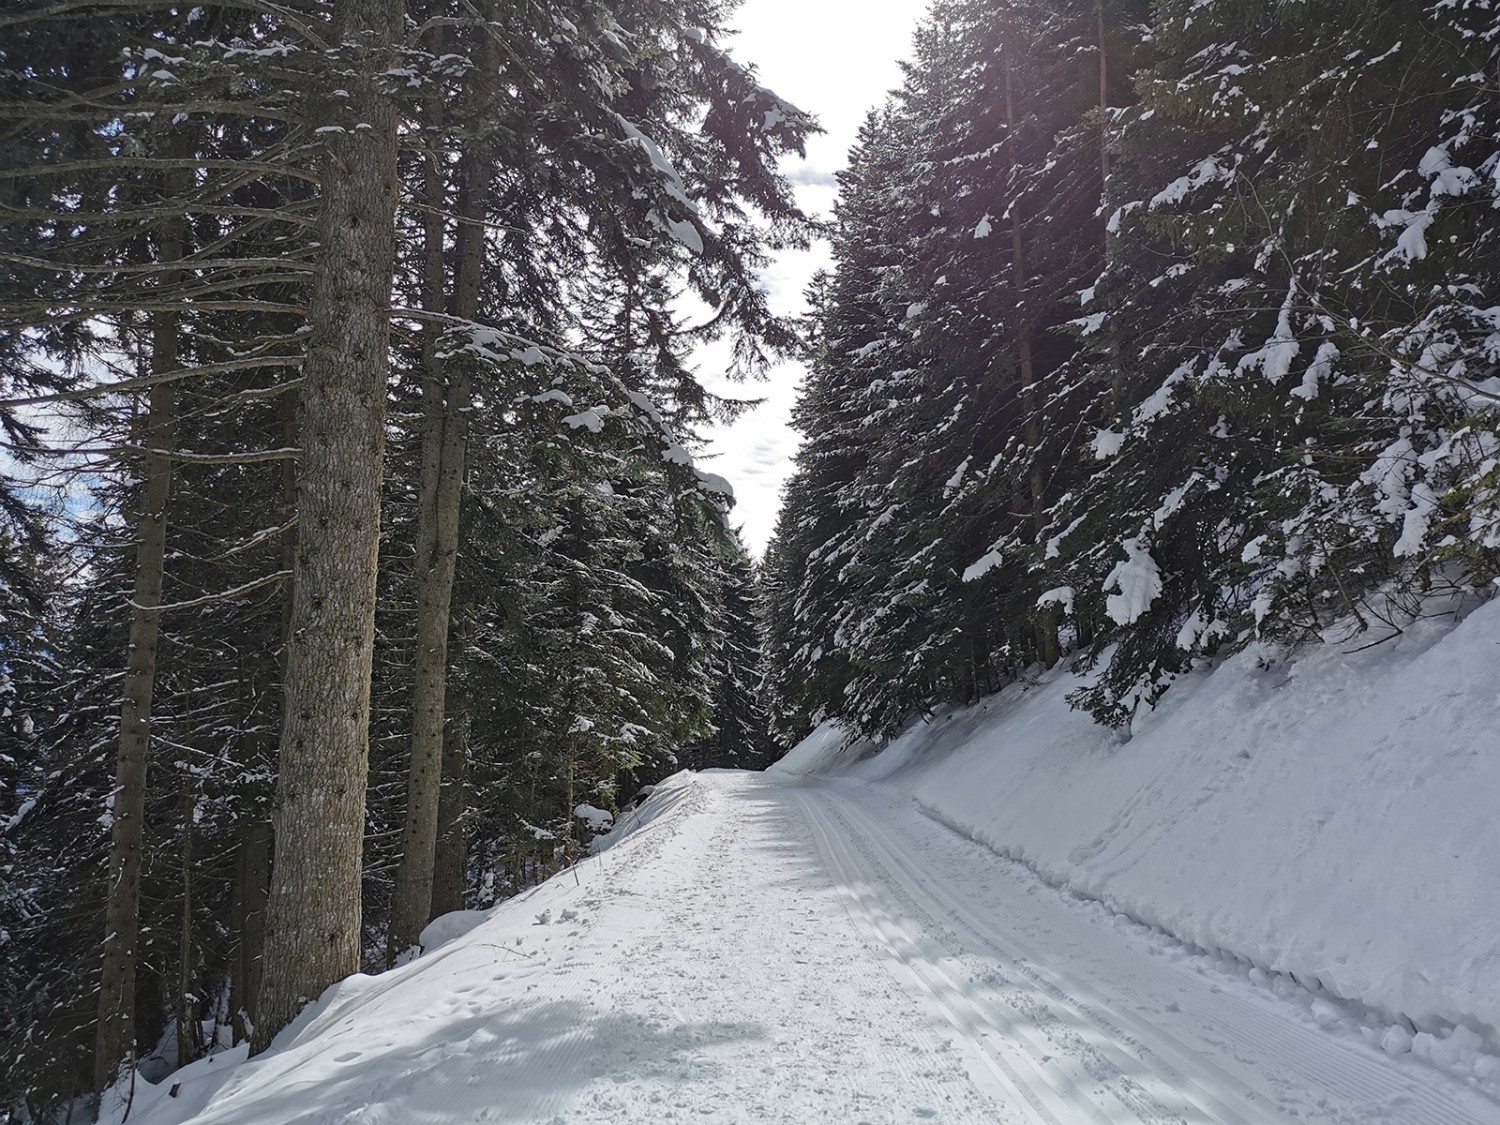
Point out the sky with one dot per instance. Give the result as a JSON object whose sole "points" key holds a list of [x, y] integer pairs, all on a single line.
{"points": [[835, 59]]}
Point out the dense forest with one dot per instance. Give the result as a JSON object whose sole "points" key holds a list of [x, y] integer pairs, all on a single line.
{"points": [[354, 560], [1153, 328], [353, 557]]}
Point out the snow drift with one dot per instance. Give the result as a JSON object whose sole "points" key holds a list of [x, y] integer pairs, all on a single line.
{"points": [[1332, 814]]}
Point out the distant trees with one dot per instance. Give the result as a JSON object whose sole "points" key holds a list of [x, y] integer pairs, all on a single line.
{"points": [[1152, 330], [241, 252]]}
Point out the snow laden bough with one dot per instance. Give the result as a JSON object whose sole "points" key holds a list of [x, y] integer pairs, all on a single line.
{"points": [[584, 399]]}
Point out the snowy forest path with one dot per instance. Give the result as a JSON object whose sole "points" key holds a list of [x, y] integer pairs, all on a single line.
{"points": [[755, 948], [1084, 1016]]}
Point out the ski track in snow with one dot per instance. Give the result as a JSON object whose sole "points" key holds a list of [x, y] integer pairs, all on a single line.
{"points": [[783, 950]]}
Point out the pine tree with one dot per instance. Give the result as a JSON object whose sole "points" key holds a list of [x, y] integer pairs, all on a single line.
{"points": [[854, 366], [989, 213], [1242, 289], [313, 916], [741, 730], [693, 194], [1172, 375]]}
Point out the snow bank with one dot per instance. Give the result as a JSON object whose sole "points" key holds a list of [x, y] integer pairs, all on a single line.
{"points": [[817, 752], [1334, 815], [663, 799]]}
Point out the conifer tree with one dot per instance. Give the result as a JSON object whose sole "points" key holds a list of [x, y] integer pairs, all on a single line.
{"points": [[313, 934], [1174, 375]]}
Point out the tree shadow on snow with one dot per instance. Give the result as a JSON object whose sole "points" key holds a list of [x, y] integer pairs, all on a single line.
{"points": [[522, 1065]]}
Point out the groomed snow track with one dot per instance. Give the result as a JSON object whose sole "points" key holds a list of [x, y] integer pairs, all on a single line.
{"points": [[1076, 1017], [774, 949]]}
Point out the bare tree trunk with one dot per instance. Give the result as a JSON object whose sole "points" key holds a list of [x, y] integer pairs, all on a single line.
{"points": [[115, 1031], [450, 868], [1029, 408], [253, 867], [186, 1010], [1030, 404], [313, 916], [1103, 104], [447, 391], [1116, 378], [252, 885], [413, 879]]}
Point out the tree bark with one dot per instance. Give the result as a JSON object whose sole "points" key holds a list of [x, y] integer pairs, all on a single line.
{"points": [[252, 884], [313, 914], [1116, 377], [115, 1032], [186, 1009], [447, 392], [450, 868], [1030, 420], [253, 874]]}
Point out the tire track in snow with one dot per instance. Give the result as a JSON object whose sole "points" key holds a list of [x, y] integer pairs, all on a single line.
{"points": [[1371, 1086], [1019, 1077], [732, 857], [747, 931], [1173, 1094], [1339, 1080]]}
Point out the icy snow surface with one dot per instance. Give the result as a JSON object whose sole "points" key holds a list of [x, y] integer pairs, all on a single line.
{"points": [[810, 945]]}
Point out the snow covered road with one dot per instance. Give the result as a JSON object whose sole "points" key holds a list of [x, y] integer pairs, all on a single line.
{"points": [[769, 949]]}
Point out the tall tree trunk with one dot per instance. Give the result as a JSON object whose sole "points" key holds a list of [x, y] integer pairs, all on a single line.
{"points": [[186, 1009], [313, 915], [413, 880], [1030, 404], [447, 391], [450, 868], [252, 884], [1103, 104], [253, 869], [1112, 365], [115, 1031]]}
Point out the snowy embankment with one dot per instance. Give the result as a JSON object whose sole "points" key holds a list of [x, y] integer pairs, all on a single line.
{"points": [[1333, 815]]}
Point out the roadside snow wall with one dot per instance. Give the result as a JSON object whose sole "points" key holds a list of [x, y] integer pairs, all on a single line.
{"points": [[1334, 814]]}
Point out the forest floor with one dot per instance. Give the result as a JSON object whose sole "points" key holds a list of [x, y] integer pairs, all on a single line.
{"points": [[768, 948]]}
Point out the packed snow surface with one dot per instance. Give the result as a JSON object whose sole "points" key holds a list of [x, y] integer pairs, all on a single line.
{"points": [[815, 947], [1329, 818]]}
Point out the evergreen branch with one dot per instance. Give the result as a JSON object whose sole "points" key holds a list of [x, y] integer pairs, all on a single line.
{"points": [[254, 458], [465, 220], [127, 385], [30, 318], [290, 213], [157, 164], [161, 267], [208, 599]]}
